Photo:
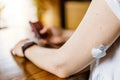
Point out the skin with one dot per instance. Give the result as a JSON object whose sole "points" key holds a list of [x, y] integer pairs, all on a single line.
{"points": [[56, 35], [99, 26]]}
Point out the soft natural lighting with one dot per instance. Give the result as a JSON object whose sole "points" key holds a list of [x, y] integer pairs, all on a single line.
{"points": [[15, 15]]}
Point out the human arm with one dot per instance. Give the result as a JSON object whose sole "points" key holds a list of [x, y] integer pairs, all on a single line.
{"points": [[57, 36], [99, 26]]}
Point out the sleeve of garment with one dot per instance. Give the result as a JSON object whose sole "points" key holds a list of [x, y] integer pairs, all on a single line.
{"points": [[115, 7]]}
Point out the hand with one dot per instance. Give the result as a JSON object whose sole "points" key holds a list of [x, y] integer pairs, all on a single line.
{"points": [[55, 36], [17, 50], [52, 36]]}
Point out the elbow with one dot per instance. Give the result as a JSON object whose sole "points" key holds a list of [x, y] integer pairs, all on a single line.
{"points": [[62, 70], [62, 73], [61, 67]]}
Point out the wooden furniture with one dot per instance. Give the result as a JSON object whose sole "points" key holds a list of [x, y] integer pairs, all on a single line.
{"points": [[16, 68]]}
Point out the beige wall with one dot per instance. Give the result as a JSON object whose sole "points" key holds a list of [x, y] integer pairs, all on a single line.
{"points": [[49, 12], [74, 13]]}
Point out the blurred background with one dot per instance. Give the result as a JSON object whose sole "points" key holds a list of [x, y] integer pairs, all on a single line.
{"points": [[62, 13], [66, 14]]}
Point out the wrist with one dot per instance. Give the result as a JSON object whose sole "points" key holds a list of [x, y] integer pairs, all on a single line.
{"points": [[26, 46]]}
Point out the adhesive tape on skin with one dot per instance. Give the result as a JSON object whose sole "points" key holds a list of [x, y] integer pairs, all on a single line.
{"points": [[99, 52]]}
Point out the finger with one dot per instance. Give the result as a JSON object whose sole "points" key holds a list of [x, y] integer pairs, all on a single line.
{"points": [[57, 40], [56, 31], [43, 42], [13, 52], [44, 30]]}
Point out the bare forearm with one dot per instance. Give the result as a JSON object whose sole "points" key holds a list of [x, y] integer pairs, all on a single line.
{"points": [[99, 26]]}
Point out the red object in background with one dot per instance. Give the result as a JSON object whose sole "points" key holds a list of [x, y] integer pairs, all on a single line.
{"points": [[36, 27]]}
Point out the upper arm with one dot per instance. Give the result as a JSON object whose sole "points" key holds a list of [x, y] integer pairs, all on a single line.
{"points": [[99, 26]]}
